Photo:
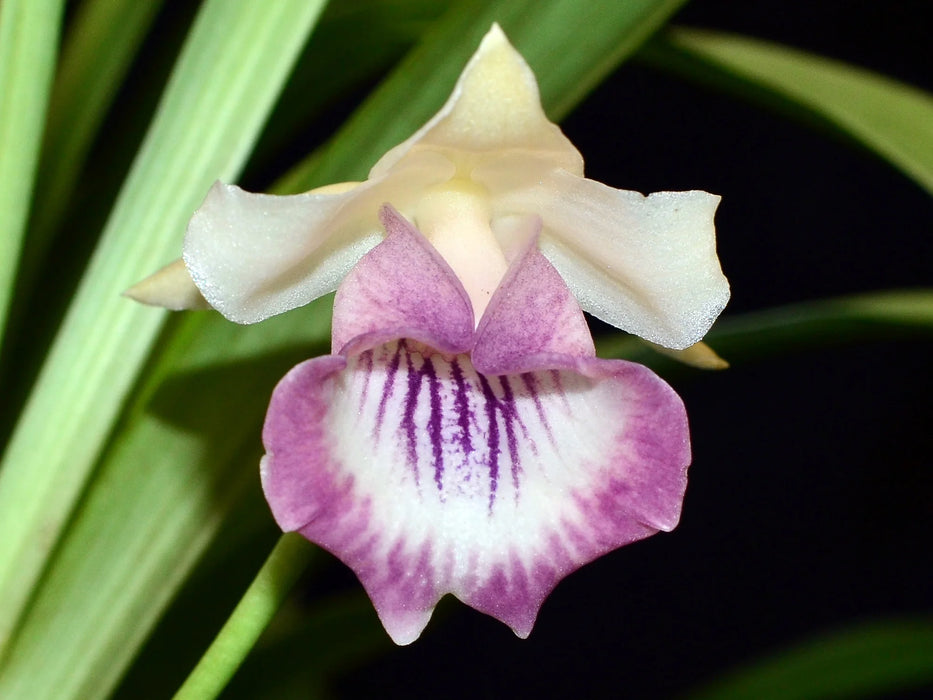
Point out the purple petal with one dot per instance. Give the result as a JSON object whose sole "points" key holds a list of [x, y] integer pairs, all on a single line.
{"points": [[532, 321], [427, 478], [402, 288]]}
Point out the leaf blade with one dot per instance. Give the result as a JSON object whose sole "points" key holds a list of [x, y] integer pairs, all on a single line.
{"points": [[759, 335], [877, 657], [892, 119], [84, 88], [28, 46]]}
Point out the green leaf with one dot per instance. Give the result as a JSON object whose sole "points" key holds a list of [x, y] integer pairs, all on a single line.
{"points": [[84, 89], [225, 82], [876, 658], [380, 32], [891, 119], [28, 46], [890, 315], [826, 323]]}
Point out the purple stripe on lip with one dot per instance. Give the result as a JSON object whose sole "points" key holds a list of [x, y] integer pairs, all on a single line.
{"points": [[510, 416], [493, 437], [391, 371], [455, 395], [465, 416]]}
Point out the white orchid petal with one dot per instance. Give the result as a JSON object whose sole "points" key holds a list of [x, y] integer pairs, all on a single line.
{"points": [[647, 265], [254, 255], [494, 108], [257, 255], [335, 188]]}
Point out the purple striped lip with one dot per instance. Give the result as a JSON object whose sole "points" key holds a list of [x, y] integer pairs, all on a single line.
{"points": [[428, 477]]}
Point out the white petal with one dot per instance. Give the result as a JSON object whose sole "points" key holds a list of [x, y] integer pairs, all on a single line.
{"points": [[647, 265], [257, 255], [495, 107]]}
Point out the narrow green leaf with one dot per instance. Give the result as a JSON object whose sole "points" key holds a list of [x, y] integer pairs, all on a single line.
{"points": [[586, 52], [225, 82], [823, 323], [260, 602], [891, 119], [876, 658], [199, 607], [380, 32], [28, 46], [827, 322], [84, 88]]}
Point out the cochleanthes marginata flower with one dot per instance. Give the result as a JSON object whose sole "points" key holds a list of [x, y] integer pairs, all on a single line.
{"points": [[463, 437]]}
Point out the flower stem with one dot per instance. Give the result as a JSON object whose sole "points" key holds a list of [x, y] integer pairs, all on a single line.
{"points": [[250, 617]]}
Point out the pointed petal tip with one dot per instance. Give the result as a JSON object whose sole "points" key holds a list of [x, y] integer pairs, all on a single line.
{"points": [[495, 106], [170, 288], [699, 355], [404, 627], [495, 35], [532, 321], [392, 220]]}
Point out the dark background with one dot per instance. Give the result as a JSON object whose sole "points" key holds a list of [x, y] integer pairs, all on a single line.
{"points": [[809, 502]]}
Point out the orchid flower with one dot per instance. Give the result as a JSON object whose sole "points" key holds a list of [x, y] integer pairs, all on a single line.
{"points": [[463, 438]]}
